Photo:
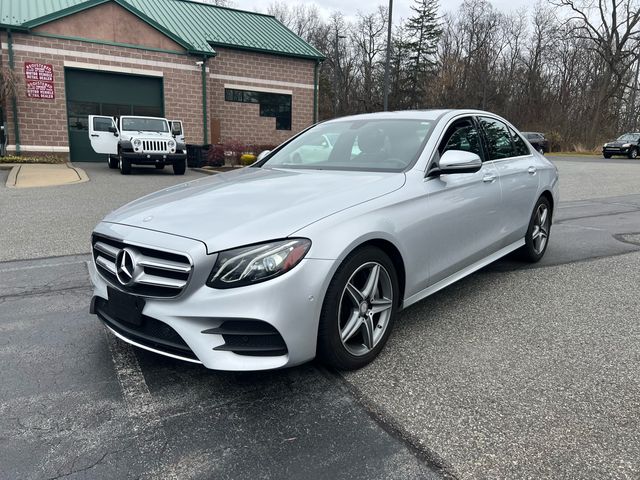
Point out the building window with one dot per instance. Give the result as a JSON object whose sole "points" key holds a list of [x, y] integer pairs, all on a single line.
{"points": [[276, 105]]}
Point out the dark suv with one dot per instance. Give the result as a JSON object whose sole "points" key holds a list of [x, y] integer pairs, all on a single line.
{"points": [[537, 141], [626, 145]]}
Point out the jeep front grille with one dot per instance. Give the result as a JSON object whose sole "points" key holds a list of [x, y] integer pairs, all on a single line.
{"points": [[155, 273], [154, 146]]}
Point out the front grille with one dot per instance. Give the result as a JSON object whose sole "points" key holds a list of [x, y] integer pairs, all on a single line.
{"points": [[154, 146], [157, 274], [249, 337], [151, 333]]}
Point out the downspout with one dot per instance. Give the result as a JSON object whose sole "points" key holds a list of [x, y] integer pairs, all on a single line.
{"points": [[14, 100], [315, 91], [205, 127]]}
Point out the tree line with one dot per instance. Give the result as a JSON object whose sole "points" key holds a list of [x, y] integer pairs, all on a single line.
{"points": [[568, 68]]}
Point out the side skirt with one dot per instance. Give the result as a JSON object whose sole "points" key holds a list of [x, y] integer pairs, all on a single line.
{"points": [[462, 273]]}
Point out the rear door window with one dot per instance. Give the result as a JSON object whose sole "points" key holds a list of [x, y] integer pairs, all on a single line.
{"points": [[498, 138], [519, 146]]}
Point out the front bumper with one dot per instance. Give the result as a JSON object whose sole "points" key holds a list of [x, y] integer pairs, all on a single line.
{"points": [[616, 150], [153, 158], [290, 304]]}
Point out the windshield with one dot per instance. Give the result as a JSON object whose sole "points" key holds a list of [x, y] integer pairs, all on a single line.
{"points": [[628, 137], [385, 145], [145, 124]]}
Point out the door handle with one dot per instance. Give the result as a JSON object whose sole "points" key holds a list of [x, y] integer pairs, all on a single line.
{"points": [[532, 170], [489, 178], [95, 135]]}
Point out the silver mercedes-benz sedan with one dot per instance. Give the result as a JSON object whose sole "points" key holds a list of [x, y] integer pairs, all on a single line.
{"points": [[314, 249]]}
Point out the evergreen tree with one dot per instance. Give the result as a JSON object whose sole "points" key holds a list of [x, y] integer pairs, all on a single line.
{"points": [[423, 31]]}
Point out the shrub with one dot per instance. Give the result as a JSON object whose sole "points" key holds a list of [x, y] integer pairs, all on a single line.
{"points": [[247, 159], [215, 156], [32, 159]]}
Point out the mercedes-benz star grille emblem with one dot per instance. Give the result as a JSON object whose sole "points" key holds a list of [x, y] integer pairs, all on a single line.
{"points": [[125, 266]]}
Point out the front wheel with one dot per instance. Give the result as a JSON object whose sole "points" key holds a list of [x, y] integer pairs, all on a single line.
{"points": [[358, 310], [180, 167], [633, 154], [606, 155], [125, 166], [541, 150], [537, 237]]}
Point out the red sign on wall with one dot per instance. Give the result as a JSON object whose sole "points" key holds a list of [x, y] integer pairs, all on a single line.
{"points": [[39, 77]]}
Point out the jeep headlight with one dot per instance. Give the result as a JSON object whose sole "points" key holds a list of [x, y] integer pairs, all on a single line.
{"points": [[171, 144], [257, 263], [137, 142]]}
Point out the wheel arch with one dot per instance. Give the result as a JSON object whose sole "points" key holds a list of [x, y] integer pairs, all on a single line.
{"points": [[549, 196], [396, 258]]}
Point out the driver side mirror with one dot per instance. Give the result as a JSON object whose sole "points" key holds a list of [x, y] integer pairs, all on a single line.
{"points": [[176, 130], [457, 161], [263, 154]]}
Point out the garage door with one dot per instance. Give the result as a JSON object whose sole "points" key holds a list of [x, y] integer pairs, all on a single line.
{"points": [[113, 94]]}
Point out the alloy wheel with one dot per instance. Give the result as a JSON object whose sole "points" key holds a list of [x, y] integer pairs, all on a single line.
{"points": [[541, 223], [365, 308]]}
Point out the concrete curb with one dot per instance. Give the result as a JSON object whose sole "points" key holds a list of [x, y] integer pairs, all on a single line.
{"points": [[13, 180]]}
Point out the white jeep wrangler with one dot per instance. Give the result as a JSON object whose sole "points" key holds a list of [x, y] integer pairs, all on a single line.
{"points": [[138, 141]]}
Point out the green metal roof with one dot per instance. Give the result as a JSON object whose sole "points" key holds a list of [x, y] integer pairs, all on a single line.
{"points": [[196, 26]]}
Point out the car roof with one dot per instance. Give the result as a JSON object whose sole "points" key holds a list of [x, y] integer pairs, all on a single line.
{"points": [[432, 114]]}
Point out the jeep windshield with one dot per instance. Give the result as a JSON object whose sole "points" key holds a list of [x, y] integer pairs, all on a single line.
{"points": [[145, 124]]}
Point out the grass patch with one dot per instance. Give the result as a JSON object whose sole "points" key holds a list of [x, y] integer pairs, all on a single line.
{"points": [[31, 159]]}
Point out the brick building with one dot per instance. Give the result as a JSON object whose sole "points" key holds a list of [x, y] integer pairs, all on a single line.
{"points": [[229, 75]]}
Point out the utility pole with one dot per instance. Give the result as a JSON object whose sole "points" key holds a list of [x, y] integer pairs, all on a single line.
{"points": [[336, 61], [388, 59]]}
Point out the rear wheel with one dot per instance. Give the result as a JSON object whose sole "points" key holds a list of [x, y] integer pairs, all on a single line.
{"points": [[180, 167], [358, 310], [113, 162], [125, 166], [541, 150], [537, 237], [633, 153]]}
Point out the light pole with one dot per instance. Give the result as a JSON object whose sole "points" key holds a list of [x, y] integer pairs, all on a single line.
{"points": [[386, 63], [336, 60]]}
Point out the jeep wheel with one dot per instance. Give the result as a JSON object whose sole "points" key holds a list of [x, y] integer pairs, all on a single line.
{"points": [[113, 162], [633, 153], [180, 167], [125, 166]]}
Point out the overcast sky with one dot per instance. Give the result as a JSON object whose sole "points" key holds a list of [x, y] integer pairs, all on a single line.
{"points": [[400, 7]]}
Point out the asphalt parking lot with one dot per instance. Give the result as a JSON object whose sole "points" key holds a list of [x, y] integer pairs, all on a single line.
{"points": [[514, 372]]}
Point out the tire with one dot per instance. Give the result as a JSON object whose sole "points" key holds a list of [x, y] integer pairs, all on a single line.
{"points": [[159, 166], [606, 155], [341, 318], [541, 150], [180, 167], [537, 239], [125, 166], [112, 162], [633, 153]]}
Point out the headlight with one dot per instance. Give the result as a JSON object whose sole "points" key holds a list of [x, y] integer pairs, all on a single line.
{"points": [[257, 263], [606, 145], [171, 143], [137, 142], [626, 145]]}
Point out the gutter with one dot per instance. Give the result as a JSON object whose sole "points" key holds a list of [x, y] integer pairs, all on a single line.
{"points": [[315, 91], [205, 127], [14, 100]]}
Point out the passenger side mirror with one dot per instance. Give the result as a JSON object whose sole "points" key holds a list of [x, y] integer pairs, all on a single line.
{"points": [[263, 154], [457, 161]]}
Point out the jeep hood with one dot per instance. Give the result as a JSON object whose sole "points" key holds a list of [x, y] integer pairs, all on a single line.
{"points": [[252, 204]]}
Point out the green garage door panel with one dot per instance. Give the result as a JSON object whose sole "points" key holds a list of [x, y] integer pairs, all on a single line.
{"points": [[112, 94]]}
